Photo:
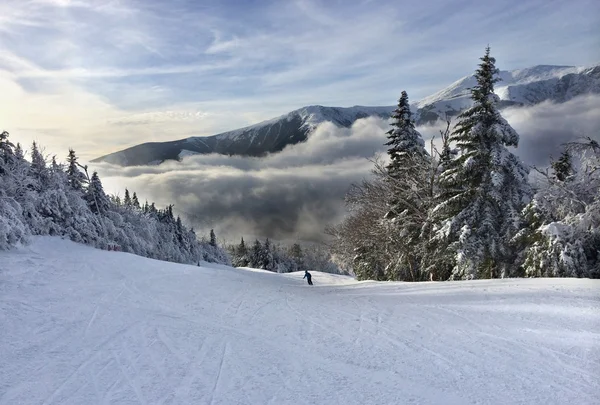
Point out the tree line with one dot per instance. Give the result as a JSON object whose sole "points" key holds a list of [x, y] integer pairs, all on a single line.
{"points": [[44, 197]]}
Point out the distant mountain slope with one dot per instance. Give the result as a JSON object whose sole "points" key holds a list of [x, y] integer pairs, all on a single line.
{"points": [[517, 88], [257, 140]]}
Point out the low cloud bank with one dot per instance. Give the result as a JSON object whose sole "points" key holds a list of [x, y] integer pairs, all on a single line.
{"points": [[294, 194]]}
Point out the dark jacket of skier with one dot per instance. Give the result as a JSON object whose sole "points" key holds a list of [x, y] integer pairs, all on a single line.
{"points": [[308, 277]]}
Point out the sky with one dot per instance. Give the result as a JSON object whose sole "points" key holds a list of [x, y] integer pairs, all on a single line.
{"points": [[99, 76]]}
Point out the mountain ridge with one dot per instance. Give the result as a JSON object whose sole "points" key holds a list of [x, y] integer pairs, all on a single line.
{"points": [[520, 87]]}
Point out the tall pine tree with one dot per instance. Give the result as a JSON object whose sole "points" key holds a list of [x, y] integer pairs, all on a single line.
{"points": [[484, 188]]}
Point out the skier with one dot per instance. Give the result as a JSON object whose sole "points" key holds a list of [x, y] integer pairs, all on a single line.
{"points": [[308, 277]]}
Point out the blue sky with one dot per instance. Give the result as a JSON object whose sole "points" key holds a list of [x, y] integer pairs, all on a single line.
{"points": [[101, 75]]}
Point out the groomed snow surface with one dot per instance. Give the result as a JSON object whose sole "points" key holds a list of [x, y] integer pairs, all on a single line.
{"points": [[85, 326]]}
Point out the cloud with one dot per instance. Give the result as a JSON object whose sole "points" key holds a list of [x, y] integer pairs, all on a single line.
{"points": [[294, 194], [545, 127], [286, 196]]}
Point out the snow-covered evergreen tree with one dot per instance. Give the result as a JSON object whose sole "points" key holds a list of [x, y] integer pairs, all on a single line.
{"points": [[19, 153], [485, 188], [405, 143], [563, 167], [406, 177], [96, 197], [6, 146], [267, 256], [213, 238], [256, 255], [240, 255], [135, 202], [76, 177], [127, 199]]}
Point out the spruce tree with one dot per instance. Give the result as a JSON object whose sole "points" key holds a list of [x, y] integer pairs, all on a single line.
{"points": [[97, 200], [407, 174], [213, 238], [563, 168], [267, 256], [19, 154], [297, 255], [38, 166], [240, 258], [75, 177], [127, 199], [485, 188], [6, 152], [405, 143], [256, 255], [135, 202]]}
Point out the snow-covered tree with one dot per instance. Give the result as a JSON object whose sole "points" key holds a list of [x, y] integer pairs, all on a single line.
{"points": [[240, 255], [213, 238], [256, 255], [562, 236], [405, 143], [406, 174], [6, 151], [127, 199], [38, 167], [76, 177], [485, 188], [135, 202], [19, 153], [96, 197], [267, 257], [563, 167]]}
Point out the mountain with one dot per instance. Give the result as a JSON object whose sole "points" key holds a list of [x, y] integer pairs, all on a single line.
{"points": [[257, 140], [517, 88]]}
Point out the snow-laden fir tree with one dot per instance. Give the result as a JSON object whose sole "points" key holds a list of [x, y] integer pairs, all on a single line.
{"points": [[6, 151], [19, 153], [407, 176], [563, 167], [75, 176], [135, 202], [267, 256], [38, 167], [127, 199], [240, 255], [96, 197], [405, 143], [485, 188], [213, 238]]}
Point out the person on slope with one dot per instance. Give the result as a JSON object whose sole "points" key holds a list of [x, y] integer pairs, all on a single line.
{"points": [[308, 277]]}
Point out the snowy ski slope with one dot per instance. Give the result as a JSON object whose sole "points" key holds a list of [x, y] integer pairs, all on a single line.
{"points": [[84, 326]]}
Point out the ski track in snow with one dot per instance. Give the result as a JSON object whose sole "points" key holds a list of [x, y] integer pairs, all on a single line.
{"points": [[85, 326]]}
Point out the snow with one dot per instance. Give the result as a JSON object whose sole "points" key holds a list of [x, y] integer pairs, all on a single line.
{"points": [[85, 326]]}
